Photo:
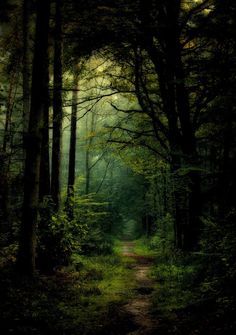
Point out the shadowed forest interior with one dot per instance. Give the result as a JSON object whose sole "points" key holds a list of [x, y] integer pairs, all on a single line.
{"points": [[117, 167]]}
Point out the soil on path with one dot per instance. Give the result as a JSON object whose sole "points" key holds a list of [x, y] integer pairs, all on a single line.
{"points": [[139, 307]]}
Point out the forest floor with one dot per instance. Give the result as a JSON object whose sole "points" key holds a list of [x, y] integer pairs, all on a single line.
{"points": [[130, 292], [139, 306], [161, 304]]}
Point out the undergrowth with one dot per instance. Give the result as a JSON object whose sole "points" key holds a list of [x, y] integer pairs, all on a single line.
{"points": [[189, 294], [84, 298], [176, 280]]}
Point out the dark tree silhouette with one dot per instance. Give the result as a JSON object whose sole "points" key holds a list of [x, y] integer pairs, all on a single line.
{"points": [[39, 93]]}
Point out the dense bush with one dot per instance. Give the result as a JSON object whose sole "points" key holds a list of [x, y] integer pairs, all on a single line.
{"points": [[61, 234], [219, 247]]}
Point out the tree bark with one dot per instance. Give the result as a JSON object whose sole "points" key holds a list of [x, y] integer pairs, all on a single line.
{"points": [[191, 228], [72, 153], [44, 186], [181, 137], [57, 108], [26, 65], [89, 141], [6, 158], [27, 242]]}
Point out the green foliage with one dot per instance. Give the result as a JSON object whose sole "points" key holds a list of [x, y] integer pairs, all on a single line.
{"points": [[164, 236], [131, 229], [8, 254], [96, 242], [68, 233], [175, 275], [219, 250], [184, 280], [81, 227], [57, 236], [92, 213], [80, 299]]}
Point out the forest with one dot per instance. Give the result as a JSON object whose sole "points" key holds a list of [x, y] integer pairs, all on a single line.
{"points": [[117, 167]]}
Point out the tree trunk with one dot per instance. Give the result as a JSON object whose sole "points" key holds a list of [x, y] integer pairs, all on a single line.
{"points": [[57, 108], [190, 156], [6, 158], [227, 169], [72, 153], [89, 141], [181, 137], [87, 172], [4, 193], [26, 65], [44, 186], [27, 242]]}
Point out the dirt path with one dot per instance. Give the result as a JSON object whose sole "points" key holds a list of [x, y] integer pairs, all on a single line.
{"points": [[139, 307]]}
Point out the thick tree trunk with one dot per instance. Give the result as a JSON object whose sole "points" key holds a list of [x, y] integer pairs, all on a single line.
{"points": [[57, 108], [27, 242], [190, 156], [26, 65], [168, 95], [181, 137], [183, 156], [45, 244], [226, 182]]}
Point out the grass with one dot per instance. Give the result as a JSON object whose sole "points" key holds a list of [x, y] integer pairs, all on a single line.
{"points": [[110, 274], [142, 248], [84, 298], [173, 286], [117, 248]]}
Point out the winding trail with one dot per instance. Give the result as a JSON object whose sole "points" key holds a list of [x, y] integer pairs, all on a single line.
{"points": [[139, 306]]}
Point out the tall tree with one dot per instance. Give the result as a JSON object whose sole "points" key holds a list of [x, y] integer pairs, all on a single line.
{"points": [[44, 186], [27, 242], [57, 107], [73, 128], [6, 153], [26, 64], [162, 40], [90, 128]]}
